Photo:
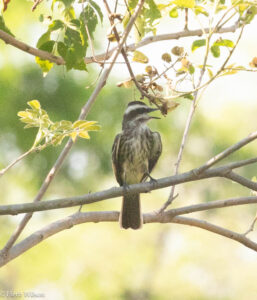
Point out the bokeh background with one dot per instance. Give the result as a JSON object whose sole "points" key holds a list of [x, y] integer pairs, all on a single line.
{"points": [[100, 261]]}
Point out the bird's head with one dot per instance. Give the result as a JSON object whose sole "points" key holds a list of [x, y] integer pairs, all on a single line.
{"points": [[136, 114]]}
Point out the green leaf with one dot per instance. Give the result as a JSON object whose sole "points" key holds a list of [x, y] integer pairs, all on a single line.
{"points": [[200, 10], [62, 125], [69, 13], [43, 39], [35, 104], [62, 49], [84, 135], [79, 124], [22, 114], [189, 96], [250, 14], [215, 50], [153, 12], [140, 57], [45, 65], [97, 8], [191, 69], [210, 73], [83, 124], [94, 128], [57, 139], [132, 4], [225, 43], [174, 12], [55, 25], [140, 28], [197, 44], [73, 135], [88, 17], [4, 27], [41, 18], [48, 46]]}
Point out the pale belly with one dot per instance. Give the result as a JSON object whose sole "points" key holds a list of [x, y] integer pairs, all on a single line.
{"points": [[136, 166]]}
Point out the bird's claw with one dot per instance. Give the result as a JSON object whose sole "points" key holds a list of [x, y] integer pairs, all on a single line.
{"points": [[126, 187]]}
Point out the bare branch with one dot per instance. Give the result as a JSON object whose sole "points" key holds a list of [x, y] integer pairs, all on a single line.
{"points": [[251, 228], [112, 216], [3, 171], [188, 124], [241, 180], [211, 205], [145, 187], [252, 136], [8, 39], [84, 111]]}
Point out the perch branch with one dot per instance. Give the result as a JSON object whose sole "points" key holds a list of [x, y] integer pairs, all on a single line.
{"points": [[223, 171]]}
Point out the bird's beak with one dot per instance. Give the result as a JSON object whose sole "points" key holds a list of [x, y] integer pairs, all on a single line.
{"points": [[151, 110]]}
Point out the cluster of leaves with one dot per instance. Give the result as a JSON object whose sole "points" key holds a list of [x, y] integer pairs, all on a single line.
{"points": [[215, 48], [176, 61], [68, 35], [246, 9], [53, 133], [147, 19]]}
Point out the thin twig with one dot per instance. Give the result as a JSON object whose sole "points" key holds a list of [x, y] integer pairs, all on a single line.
{"points": [[187, 126], [3, 171], [251, 228], [193, 107], [124, 54], [36, 3], [227, 152]]}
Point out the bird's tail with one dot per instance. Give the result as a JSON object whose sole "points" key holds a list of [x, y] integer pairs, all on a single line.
{"points": [[130, 216]]}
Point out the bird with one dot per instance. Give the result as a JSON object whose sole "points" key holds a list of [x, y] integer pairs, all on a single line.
{"points": [[135, 152]]}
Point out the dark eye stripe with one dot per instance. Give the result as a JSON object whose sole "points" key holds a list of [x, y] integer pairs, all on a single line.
{"points": [[136, 112]]}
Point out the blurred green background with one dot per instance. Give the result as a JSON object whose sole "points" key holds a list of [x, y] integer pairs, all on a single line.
{"points": [[100, 261]]}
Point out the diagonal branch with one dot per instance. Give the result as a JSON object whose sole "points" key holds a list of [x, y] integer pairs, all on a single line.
{"points": [[84, 111], [112, 216], [227, 152]]}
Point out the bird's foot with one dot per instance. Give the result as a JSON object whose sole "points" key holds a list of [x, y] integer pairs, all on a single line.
{"points": [[126, 187], [153, 181]]}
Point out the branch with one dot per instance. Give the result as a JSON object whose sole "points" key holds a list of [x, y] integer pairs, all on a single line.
{"points": [[4, 170], [8, 39], [145, 187], [211, 205], [84, 111], [188, 124], [227, 152], [251, 228], [112, 216]]}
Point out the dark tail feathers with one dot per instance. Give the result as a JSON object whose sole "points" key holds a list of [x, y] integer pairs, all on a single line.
{"points": [[130, 216]]}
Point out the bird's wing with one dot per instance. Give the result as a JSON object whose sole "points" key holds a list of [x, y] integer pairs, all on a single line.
{"points": [[156, 151], [115, 158]]}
